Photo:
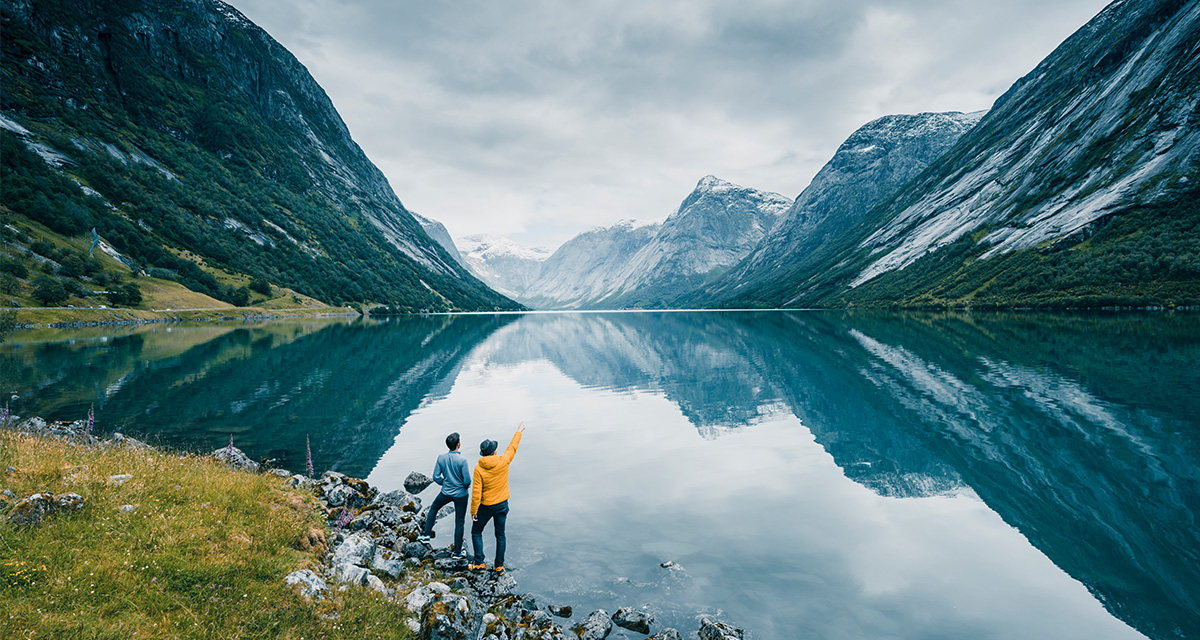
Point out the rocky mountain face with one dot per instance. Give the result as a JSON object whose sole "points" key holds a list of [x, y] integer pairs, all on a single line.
{"points": [[587, 267], [190, 131], [438, 233], [631, 266], [503, 264], [869, 167], [1071, 190]]}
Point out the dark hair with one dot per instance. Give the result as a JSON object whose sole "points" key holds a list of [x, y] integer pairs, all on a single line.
{"points": [[487, 447], [452, 441]]}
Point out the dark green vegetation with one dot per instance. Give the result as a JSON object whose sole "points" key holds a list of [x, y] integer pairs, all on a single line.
{"points": [[197, 147], [1142, 256]]}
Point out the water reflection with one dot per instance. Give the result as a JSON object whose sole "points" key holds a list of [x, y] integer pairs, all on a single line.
{"points": [[1078, 431]]}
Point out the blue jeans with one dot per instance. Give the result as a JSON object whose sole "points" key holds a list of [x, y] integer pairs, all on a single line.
{"points": [[460, 514], [498, 512]]}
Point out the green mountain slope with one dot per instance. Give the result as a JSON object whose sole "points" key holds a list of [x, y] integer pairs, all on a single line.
{"points": [[198, 147]]}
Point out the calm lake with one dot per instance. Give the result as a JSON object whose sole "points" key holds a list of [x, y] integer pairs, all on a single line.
{"points": [[815, 474]]}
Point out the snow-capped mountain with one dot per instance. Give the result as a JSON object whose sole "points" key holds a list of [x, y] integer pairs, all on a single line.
{"points": [[1062, 195], [589, 266], [645, 266], [869, 167], [503, 264]]}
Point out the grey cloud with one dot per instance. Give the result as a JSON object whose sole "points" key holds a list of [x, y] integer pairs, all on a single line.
{"points": [[537, 117]]}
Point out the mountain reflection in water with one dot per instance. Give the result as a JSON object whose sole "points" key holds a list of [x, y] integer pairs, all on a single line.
{"points": [[1080, 431]]}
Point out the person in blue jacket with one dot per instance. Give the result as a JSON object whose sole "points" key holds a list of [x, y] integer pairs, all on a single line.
{"points": [[454, 476]]}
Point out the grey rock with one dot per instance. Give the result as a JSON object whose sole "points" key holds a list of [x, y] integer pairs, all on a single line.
{"points": [[400, 499], [418, 550], [31, 511], [311, 584], [298, 481], [280, 473], [452, 617], [344, 496], [69, 502], [596, 626], [563, 611], [119, 479], [450, 565], [350, 574], [119, 439], [357, 549], [8, 493], [419, 597], [667, 634], [375, 583], [417, 482], [713, 630], [234, 458], [491, 586], [633, 619], [388, 562], [32, 425], [126, 508]]}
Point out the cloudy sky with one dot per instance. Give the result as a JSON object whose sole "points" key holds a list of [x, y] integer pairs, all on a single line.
{"points": [[539, 119]]}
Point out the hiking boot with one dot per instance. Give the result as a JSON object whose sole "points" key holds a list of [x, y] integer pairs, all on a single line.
{"points": [[423, 539], [499, 569], [476, 567]]}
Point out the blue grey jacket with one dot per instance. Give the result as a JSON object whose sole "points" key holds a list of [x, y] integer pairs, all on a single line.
{"points": [[452, 472]]}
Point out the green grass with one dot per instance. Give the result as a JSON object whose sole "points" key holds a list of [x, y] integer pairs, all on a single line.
{"points": [[203, 556]]}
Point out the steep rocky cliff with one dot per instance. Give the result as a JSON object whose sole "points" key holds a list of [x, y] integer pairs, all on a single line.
{"points": [[1078, 188], [254, 171], [869, 167]]}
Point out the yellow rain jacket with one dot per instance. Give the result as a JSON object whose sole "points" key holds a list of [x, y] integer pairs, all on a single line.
{"points": [[490, 485]]}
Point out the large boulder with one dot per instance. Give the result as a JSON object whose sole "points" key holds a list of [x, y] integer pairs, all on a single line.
{"points": [[712, 630], [356, 549], [311, 584], [351, 574], [597, 626], [633, 619], [417, 482], [388, 562], [424, 594], [666, 634], [31, 511], [452, 617], [234, 458], [402, 500]]}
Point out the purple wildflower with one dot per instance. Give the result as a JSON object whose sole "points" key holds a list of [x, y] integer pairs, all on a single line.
{"points": [[4, 415], [308, 450], [91, 421], [229, 449], [343, 519]]}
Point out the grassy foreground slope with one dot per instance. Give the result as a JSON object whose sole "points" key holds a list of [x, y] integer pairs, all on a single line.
{"points": [[203, 555]]}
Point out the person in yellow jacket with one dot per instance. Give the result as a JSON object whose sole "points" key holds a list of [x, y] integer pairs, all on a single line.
{"points": [[489, 497]]}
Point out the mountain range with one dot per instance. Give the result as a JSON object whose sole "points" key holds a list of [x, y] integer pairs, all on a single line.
{"points": [[201, 151], [1080, 187]]}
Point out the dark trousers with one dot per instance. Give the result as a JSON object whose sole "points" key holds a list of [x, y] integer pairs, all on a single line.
{"points": [[497, 512], [460, 514]]}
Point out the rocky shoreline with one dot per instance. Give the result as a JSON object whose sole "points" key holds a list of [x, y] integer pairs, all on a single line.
{"points": [[372, 543]]}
